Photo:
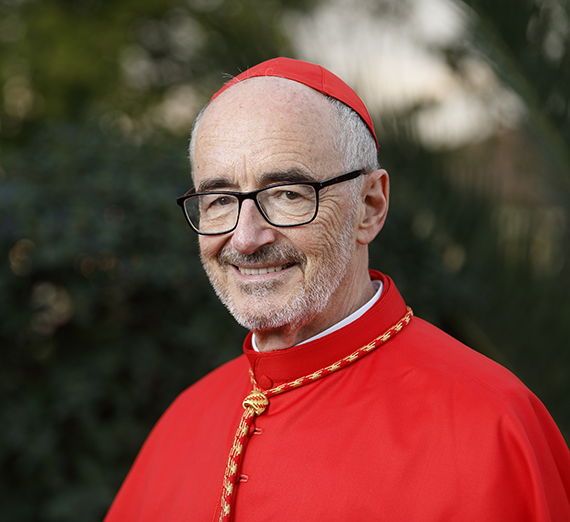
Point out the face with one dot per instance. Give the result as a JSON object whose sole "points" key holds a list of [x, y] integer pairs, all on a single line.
{"points": [[260, 132]]}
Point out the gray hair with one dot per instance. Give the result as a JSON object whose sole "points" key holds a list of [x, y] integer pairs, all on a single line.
{"points": [[352, 140], [193, 135]]}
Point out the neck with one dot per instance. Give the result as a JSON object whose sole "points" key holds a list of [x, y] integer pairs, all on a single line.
{"points": [[349, 297]]}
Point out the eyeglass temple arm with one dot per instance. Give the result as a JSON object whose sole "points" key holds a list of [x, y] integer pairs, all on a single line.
{"points": [[343, 177]]}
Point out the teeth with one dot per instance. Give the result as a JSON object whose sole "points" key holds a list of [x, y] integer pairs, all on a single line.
{"points": [[260, 271]]}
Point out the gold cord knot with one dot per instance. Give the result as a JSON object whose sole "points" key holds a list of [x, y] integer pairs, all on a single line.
{"points": [[257, 401]]}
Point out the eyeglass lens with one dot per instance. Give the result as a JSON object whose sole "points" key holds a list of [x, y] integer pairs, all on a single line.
{"points": [[284, 205]]}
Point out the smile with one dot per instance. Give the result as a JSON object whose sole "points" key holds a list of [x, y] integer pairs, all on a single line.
{"points": [[260, 271]]}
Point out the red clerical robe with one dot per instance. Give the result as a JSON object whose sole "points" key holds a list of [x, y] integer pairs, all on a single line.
{"points": [[421, 429]]}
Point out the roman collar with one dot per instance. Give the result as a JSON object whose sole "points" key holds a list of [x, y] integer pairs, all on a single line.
{"points": [[280, 366]]}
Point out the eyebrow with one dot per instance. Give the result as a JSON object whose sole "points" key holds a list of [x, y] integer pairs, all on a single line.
{"points": [[269, 178], [219, 183], [285, 176]]}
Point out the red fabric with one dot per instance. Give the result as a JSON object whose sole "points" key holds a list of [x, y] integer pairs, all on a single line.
{"points": [[311, 75], [422, 429]]}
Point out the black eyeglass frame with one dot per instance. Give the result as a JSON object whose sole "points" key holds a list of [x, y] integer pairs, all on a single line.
{"points": [[242, 196]]}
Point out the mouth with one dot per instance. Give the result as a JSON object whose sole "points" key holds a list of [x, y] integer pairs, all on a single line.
{"points": [[249, 271]]}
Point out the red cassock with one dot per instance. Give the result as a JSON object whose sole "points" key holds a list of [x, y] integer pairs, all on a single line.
{"points": [[421, 429]]}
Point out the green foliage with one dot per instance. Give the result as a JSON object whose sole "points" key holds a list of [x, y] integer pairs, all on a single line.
{"points": [[525, 283], [528, 43], [70, 59], [110, 315]]}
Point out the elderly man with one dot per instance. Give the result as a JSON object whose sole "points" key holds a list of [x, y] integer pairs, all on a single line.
{"points": [[343, 407]]}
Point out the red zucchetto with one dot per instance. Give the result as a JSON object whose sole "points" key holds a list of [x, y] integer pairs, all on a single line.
{"points": [[311, 75]]}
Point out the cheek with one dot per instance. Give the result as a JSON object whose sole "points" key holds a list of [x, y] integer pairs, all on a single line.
{"points": [[332, 222], [209, 247], [318, 240]]}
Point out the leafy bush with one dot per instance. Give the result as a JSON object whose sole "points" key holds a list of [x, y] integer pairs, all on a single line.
{"points": [[107, 314]]}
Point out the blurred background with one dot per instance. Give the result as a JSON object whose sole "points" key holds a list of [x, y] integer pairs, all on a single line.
{"points": [[105, 313]]}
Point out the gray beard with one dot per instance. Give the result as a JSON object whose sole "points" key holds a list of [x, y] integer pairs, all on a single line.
{"points": [[310, 299]]}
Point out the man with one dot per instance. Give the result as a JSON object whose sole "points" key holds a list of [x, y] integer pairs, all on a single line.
{"points": [[353, 410]]}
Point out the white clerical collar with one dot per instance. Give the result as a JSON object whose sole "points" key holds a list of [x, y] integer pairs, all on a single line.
{"points": [[378, 286]]}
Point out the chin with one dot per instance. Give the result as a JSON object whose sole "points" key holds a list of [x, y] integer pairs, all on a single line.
{"points": [[262, 314]]}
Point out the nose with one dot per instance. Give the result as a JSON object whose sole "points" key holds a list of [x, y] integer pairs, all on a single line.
{"points": [[252, 230]]}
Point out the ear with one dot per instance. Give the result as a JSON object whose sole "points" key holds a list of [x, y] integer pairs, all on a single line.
{"points": [[374, 201]]}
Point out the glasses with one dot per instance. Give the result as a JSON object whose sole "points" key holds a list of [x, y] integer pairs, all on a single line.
{"points": [[287, 204]]}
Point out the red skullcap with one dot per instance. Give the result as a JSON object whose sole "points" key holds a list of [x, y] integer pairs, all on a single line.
{"points": [[311, 75]]}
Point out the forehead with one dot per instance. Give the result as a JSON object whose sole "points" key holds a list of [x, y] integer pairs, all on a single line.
{"points": [[264, 125]]}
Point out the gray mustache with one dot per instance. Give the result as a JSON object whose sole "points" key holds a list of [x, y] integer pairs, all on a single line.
{"points": [[266, 254]]}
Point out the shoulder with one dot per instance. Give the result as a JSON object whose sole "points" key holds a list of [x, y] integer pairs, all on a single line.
{"points": [[447, 367], [438, 351], [437, 381], [216, 388], [206, 403]]}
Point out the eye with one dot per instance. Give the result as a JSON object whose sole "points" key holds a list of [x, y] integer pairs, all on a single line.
{"points": [[216, 203], [221, 201], [289, 195]]}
